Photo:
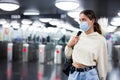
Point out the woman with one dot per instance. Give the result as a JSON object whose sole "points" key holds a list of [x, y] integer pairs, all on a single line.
{"points": [[88, 51]]}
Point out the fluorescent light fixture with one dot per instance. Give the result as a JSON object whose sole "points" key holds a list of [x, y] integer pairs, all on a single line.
{"points": [[37, 23], [111, 28], [26, 21], [55, 22], [45, 19], [9, 5], [67, 4], [31, 11], [6, 25], [68, 26], [115, 21], [3, 21], [118, 13], [73, 14]]}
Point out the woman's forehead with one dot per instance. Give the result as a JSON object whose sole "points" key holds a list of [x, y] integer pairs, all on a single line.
{"points": [[82, 16]]}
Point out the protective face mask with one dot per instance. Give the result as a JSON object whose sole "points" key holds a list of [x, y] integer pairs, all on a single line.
{"points": [[84, 26]]}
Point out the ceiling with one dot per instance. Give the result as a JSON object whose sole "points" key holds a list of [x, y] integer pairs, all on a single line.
{"points": [[102, 8]]}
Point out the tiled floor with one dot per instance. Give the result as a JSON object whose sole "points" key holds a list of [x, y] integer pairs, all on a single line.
{"points": [[36, 71]]}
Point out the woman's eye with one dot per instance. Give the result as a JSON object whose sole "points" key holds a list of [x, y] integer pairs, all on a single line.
{"points": [[83, 19]]}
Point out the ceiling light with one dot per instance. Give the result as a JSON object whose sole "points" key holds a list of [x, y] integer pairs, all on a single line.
{"points": [[6, 25], [37, 23], [3, 21], [118, 13], [73, 14], [26, 21], [45, 19], [111, 28], [31, 11], [55, 21], [115, 21], [67, 4], [9, 5]]}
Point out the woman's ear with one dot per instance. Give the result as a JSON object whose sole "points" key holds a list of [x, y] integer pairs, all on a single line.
{"points": [[93, 21]]}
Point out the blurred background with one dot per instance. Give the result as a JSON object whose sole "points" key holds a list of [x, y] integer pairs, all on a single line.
{"points": [[33, 34]]}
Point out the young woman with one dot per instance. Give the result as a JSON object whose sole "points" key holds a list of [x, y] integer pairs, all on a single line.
{"points": [[88, 51]]}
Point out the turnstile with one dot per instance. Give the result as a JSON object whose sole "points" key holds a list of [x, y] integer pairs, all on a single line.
{"points": [[17, 51], [58, 54], [41, 58], [25, 52], [9, 51]]}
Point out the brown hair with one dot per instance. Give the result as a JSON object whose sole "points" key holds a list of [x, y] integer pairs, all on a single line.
{"points": [[91, 15]]}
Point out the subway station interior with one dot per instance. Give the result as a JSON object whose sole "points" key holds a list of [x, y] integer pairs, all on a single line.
{"points": [[34, 33]]}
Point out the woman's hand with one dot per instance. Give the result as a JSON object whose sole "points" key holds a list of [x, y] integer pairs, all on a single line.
{"points": [[73, 40]]}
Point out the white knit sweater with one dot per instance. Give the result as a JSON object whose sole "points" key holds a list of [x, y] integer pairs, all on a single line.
{"points": [[90, 50]]}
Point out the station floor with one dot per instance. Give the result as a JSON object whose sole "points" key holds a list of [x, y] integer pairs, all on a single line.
{"points": [[49, 71]]}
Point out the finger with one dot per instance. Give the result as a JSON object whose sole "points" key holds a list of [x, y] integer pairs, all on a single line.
{"points": [[76, 36]]}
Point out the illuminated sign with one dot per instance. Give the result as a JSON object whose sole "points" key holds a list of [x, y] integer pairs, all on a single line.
{"points": [[24, 49], [57, 51]]}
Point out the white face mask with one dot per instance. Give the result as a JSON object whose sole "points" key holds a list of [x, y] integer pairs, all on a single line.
{"points": [[84, 26]]}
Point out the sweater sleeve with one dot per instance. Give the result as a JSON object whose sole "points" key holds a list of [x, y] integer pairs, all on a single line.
{"points": [[102, 61], [68, 52]]}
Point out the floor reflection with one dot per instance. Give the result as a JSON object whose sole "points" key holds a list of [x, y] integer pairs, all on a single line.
{"points": [[30, 71], [37, 71], [114, 75]]}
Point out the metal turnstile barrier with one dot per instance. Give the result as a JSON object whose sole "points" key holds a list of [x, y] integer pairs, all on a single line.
{"points": [[33, 51], [41, 54], [58, 54], [25, 52], [17, 51], [9, 51], [3, 50], [116, 55]]}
